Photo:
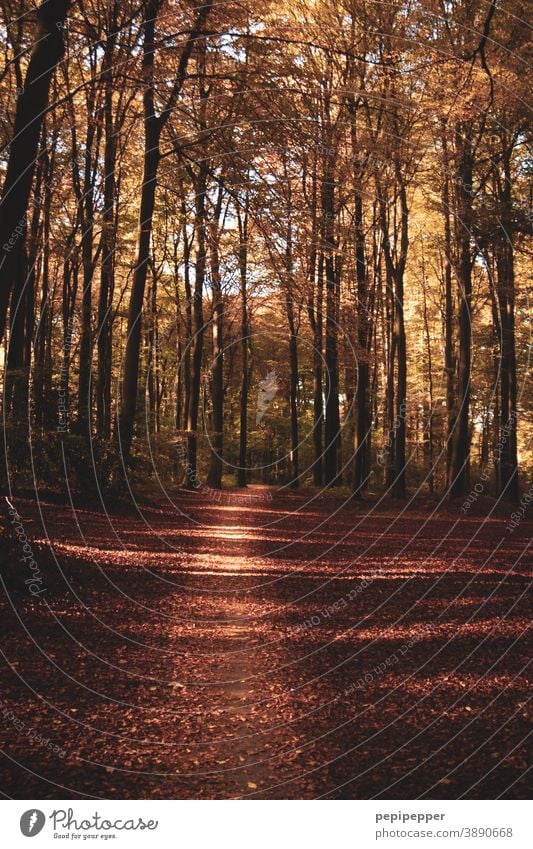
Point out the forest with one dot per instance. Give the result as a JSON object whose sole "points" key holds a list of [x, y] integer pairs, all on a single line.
{"points": [[264, 287], [335, 197]]}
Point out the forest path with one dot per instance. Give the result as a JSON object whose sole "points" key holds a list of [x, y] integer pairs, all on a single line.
{"points": [[248, 647]]}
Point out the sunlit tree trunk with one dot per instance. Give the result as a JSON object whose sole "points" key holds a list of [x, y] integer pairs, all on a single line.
{"points": [[332, 422], [108, 240], [507, 463], [214, 478], [449, 356], [460, 459], [314, 310], [198, 326], [242, 218]]}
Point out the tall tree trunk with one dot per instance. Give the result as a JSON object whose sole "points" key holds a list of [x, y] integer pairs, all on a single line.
{"points": [[152, 132], [198, 326], [187, 244], [107, 269], [22, 313], [429, 438], [43, 321], [388, 417], [294, 465], [318, 400], [314, 311], [362, 440], [86, 202], [396, 396], [332, 423], [508, 483], [214, 478], [399, 487], [361, 459], [460, 461], [31, 107], [449, 357], [242, 477], [153, 364], [14, 377]]}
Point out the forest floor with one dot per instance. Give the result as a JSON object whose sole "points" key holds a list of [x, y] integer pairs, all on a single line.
{"points": [[284, 648]]}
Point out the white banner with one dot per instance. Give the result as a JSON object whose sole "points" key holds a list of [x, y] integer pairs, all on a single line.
{"points": [[268, 824]]}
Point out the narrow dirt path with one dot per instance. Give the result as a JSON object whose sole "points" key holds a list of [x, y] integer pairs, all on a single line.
{"points": [[266, 649]]}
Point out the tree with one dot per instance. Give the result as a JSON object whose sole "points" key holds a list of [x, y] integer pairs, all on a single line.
{"points": [[31, 107]]}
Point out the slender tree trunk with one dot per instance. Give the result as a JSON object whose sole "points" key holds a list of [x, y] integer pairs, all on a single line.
{"points": [[179, 345], [449, 358], [399, 486], [87, 240], [22, 314], [153, 366], [245, 342], [388, 427], [508, 459], [460, 461], [107, 269], [43, 325], [318, 400], [361, 459], [198, 327], [396, 397], [188, 317], [214, 478], [332, 423], [133, 343], [294, 465], [429, 439], [14, 377]]}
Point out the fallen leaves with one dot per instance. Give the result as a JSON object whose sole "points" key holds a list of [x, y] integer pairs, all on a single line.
{"points": [[215, 684]]}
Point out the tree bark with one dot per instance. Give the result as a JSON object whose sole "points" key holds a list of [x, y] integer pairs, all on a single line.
{"points": [[31, 107], [508, 483], [242, 475], [449, 357], [214, 478], [198, 327], [107, 269], [460, 460], [332, 423]]}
